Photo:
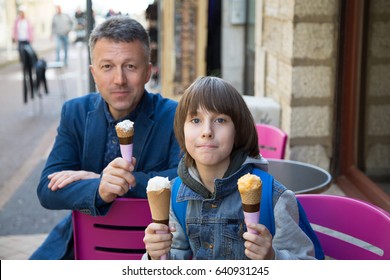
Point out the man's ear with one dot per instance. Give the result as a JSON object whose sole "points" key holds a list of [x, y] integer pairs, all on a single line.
{"points": [[149, 72]]}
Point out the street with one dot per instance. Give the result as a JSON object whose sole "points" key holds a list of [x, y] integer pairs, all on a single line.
{"points": [[27, 132]]}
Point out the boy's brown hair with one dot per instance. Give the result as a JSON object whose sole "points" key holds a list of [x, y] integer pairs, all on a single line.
{"points": [[217, 95]]}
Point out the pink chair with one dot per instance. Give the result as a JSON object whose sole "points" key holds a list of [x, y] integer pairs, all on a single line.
{"points": [[348, 229], [116, 236], [272, 141]]}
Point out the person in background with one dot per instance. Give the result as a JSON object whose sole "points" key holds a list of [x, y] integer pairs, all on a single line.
{"points": [[62, 24], [85, 170], [81, 25], [217, 135], [22, 31], [111, 13]]}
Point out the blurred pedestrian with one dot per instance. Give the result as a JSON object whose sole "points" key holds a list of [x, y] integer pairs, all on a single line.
{"points": [[62, 24], [111, 13], [22, 31], [81, 25]]}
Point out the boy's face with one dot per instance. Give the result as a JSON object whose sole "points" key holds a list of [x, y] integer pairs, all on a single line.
{"points": [[209, 139]]}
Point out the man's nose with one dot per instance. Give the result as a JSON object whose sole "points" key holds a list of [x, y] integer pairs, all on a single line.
{"points": [[120, 77]]}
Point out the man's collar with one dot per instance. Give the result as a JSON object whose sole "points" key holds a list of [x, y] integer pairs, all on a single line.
{"points": [[131, 116]]}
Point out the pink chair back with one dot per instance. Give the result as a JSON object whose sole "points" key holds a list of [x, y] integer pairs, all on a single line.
{"points": [[116, 236], [348, 229], [272, 141]]}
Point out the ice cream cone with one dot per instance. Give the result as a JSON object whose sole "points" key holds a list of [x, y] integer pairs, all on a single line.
{"points": [[125, 132], [159, 203], [250, 190], [158, 192]]}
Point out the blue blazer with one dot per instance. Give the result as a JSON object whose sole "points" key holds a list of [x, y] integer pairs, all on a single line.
{"points": [[80, 145]]}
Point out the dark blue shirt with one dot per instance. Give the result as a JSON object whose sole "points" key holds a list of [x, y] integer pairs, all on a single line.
{"points": [[112, 144]]}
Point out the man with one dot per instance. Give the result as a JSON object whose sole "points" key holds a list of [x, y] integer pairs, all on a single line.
{"points": [[62, 24], [84, 170]]}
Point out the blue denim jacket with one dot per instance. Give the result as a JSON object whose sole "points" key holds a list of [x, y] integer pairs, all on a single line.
{"points": [[215, 225]]}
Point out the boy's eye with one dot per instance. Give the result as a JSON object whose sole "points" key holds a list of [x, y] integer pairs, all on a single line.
{"points": [[195, 120], [220, 120]]}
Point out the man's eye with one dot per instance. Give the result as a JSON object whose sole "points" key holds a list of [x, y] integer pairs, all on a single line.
{"points": [[130, 66], [106, 66]]}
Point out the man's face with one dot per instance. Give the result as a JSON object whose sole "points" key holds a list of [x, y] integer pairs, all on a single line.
{"points": [[120, 71]]}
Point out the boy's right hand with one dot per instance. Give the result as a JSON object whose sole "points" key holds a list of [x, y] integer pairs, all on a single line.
{"points": [[258, 246], [158, 244]]}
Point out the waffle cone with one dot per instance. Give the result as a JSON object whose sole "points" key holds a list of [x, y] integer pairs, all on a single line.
{"points": [[250, 190], [251, 197], [159, 203], [123, 133], [125, 136]]}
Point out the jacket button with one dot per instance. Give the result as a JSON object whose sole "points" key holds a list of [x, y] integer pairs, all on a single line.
{"points": [[211, 206], [85, 211]]}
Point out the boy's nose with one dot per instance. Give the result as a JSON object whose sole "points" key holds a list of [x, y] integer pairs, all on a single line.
{"points": [[207, 131]]}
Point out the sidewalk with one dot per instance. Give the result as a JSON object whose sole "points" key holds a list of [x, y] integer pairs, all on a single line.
{"points": [[19, 247]]}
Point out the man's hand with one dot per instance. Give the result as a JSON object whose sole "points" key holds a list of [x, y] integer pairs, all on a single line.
{"points": [[116, 179], [58, 180]]}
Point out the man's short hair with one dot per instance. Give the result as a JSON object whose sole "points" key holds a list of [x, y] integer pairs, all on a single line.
{"points": [[120, 29]]}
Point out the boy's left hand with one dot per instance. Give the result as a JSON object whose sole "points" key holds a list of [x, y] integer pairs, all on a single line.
{"points": [[258, 246]]}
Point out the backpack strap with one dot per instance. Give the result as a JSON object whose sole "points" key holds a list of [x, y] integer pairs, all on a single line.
{"points": [[304, 224], [179, 208], [266, 205]]}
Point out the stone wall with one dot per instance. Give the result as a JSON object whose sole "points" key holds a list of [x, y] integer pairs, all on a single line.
{"points": [[300, 42], [185, 42]]}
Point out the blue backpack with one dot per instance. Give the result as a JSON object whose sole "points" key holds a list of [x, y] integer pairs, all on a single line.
{"points": [[266, 210]]}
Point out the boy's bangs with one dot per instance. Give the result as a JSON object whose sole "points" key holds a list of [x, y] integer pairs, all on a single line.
{"points": [[209, 100]]}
